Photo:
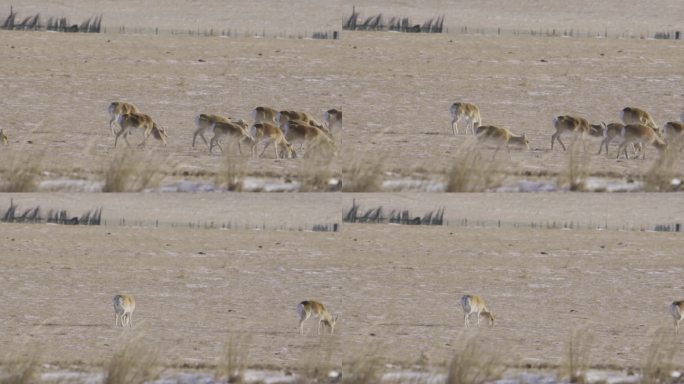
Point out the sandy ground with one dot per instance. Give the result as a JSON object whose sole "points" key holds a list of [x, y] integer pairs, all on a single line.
{"points": [[395, 288], [395, 89]]}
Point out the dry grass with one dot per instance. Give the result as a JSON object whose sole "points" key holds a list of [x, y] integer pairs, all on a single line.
{"points": [[664, 169], [318, 361], [232, 174], [134, 362], [574, 175], [364, 174], [478, 362], [577, 356], [367, 368], [314, 173], [472, 171], [233, 361], [659, 362], [20, 170], [132, 171], [20, 368]]}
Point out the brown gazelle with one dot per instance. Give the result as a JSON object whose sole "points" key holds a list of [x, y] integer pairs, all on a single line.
{"points": [[132, 121], [500, 136], [673, 130], [677, 311], [310, 307], [333, 119], [264, 115], [272, 135], [475, 304], [124, 305], [299, 131], [640, 134], [578, 126], [235, 130], [118, 108], [465, 111], [610, 132], [204, 122], [3, 137], [284, 116], [631, 115]]}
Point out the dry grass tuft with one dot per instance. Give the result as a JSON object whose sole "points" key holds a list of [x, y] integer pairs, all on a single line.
{"points": [[365, 369], [232, 174], [134, 362], [20, 368], [364, 174], [133, 171], [233, 361], [20, 170], [576, 170], [577, 356], [316, 172], [664, 169], [478, 362], [659, 362], [472, 171], [317, 361]]}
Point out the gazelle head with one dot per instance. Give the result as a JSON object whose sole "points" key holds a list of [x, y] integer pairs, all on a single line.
{"points": [[490, 316], [331, 323], [598, 130], [159, 133], [290, 152]]}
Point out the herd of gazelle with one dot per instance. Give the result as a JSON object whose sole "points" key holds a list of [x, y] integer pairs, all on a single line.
{"points": [[278, 128], [124, 305], [637, 129]]}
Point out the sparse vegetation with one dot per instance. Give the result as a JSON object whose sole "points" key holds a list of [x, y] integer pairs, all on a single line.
{"points": [[232, 174], [659, 361], [477, 362], [365, 369], [20, 368], [233, 361], [576, 171], [577, 356], [133, 171], [134, 362], [364, 174], [20, 170], [664, 170], [472, 172], [316, 172]]}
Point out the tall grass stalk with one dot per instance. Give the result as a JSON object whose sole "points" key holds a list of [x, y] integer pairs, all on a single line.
{"points": [[20, 170], [576, 170], [132, 171], [664, 169], [577, 356], [659, 360], [233, 361], [477, 362], [134, 362], [232, 173], [473, 171]]}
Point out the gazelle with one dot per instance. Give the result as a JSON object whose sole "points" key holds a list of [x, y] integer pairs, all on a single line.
{"points": [[610, 132], [203, 122], [630, 115], [299, 131], [118, 108], [465, 111], [500, 136], [579, 126], [271, 134], [333, 119], [3, 137], [642, 134], [124, 305], [235, 130], [264, 115], [308, 307], [284, 116], [135, 120], [673, 129], [677, 311], [475, 304]]}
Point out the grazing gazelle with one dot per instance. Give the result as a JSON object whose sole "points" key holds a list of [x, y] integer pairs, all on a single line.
{"points": [[630, 115], [264, 115], [500, 136], [124, 305], [135, 120], [299, 131], [640, 134], [475, 304], [3, 137], [308, 307], [204, 122], [673, 129], [677, 311], [579, 126], [118, 108], [284, 116], [272, 135], [467, 111], [236, 130], [333, 119]]}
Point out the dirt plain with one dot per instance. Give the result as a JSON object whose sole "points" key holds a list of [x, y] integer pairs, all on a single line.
{"points": [[395, 288]]}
